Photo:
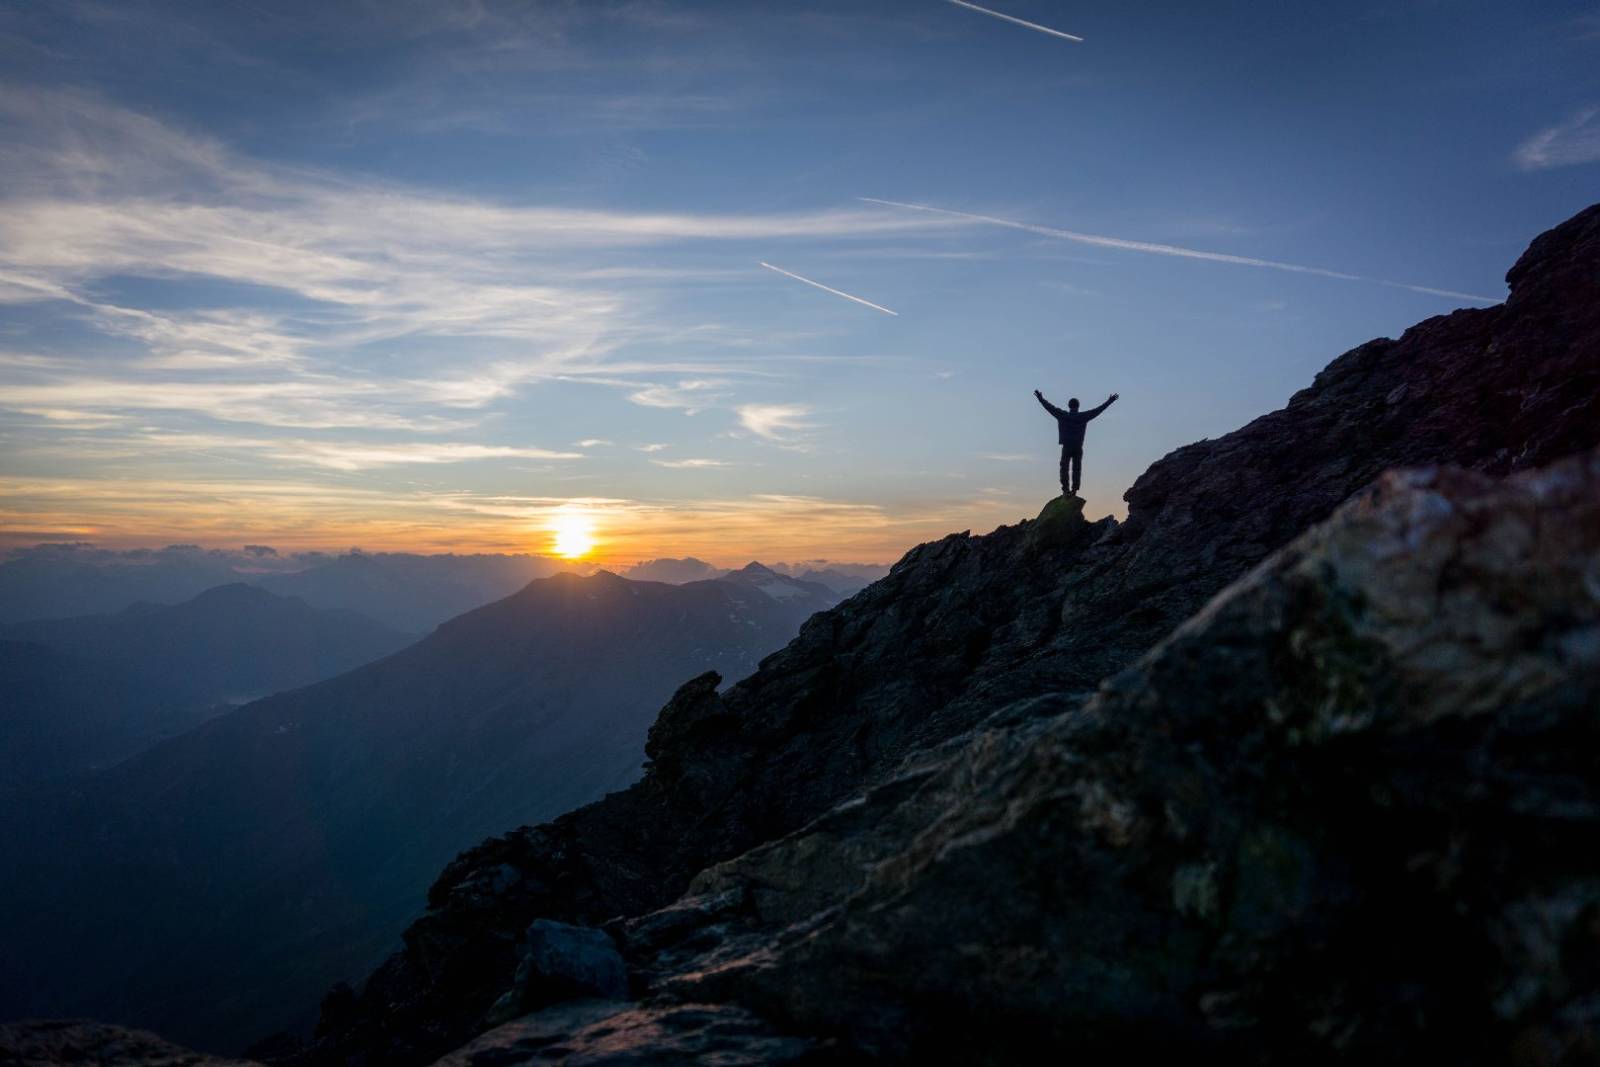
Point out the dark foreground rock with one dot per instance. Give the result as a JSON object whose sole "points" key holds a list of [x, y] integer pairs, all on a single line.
{"points": [[873, 696], [1346, 813], [599, 1033], [92, 1044]]}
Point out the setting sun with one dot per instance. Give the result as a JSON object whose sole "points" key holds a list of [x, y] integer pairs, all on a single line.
{"points": [[573, 535]]}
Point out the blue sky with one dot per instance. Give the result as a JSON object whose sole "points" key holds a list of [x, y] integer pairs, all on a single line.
{"points": [[431, 276]]}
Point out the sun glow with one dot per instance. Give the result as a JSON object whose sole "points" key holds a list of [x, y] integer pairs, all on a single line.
{"points": [[572, 535]]}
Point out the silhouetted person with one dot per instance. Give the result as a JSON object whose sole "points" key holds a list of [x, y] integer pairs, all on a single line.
{"points": [[1071, 423]]}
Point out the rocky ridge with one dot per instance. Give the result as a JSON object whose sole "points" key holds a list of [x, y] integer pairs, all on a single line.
{"points": [[948, 701]]}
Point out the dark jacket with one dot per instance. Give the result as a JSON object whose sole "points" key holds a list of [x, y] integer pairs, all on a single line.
{"points": [[1070, 424]]}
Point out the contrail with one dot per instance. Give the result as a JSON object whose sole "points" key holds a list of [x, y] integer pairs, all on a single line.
{"points": [[1184, 253], [829, 289], [1019, 22]]}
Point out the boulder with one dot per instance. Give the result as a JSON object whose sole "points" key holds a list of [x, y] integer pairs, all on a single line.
{"points": [[562, 962]]}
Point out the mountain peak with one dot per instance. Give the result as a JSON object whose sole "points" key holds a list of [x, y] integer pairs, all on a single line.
{"points": [[1560, 262]]}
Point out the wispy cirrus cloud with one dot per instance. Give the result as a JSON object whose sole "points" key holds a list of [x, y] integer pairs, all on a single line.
{"points": [[356, 457], [775, 422], [692, 395], [1566, 144], [690, 464], [288, 452], [96, 193]]}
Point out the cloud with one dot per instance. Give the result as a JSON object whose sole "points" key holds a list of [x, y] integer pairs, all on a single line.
{"points": [[594, 442], [773, 421], [329, 267], [654, 447], [693, 395], [1567, 144], [300, 515], [690, 464], [298, 452], [354, 457], [1151, 248], [299, 403]]}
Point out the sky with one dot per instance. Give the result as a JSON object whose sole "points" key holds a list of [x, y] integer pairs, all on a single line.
{"points": [[482, 276]]}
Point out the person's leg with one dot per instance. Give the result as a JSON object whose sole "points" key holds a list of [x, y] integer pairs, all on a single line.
{"points": [[1077, 469], [1066, 473]]}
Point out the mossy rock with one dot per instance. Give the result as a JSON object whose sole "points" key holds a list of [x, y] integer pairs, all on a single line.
{"points": [[1059, 520]]}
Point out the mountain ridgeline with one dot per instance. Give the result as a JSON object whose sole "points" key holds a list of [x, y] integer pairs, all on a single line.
{"points": [[283, 846], [1294, 765], [1337, 815], [409, 592]]}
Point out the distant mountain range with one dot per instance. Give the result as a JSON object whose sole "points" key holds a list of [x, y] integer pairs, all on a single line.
{"points": [[65, 581], [673, 571], [411, 592], [405, 591], [283, 846], [843, 579], [85, 692]]}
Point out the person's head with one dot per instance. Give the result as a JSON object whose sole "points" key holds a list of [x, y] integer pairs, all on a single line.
{"points": [[1072, 405]]}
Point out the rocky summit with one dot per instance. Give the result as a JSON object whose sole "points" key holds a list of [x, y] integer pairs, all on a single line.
{"points": [[921, 818], [1294, 765]]}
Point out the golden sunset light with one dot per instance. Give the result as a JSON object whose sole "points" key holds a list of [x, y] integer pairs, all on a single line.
{"points": [[572, 535]]}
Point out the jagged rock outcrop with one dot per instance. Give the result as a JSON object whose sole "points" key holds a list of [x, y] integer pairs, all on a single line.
{"points": [[884, 694], [1347, 812]]}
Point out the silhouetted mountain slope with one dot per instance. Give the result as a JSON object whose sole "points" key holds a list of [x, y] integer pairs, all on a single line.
{"points": [[62, 715], [216, 884], [967, 626], [408, 591], [227, 645]]}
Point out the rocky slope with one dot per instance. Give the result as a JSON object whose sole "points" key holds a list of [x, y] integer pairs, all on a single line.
{"points": [[1346, 812], [1201, 913]]}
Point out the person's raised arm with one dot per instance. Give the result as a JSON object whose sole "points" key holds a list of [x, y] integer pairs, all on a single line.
{"points": [[1051, 408], [1112, 399]]}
